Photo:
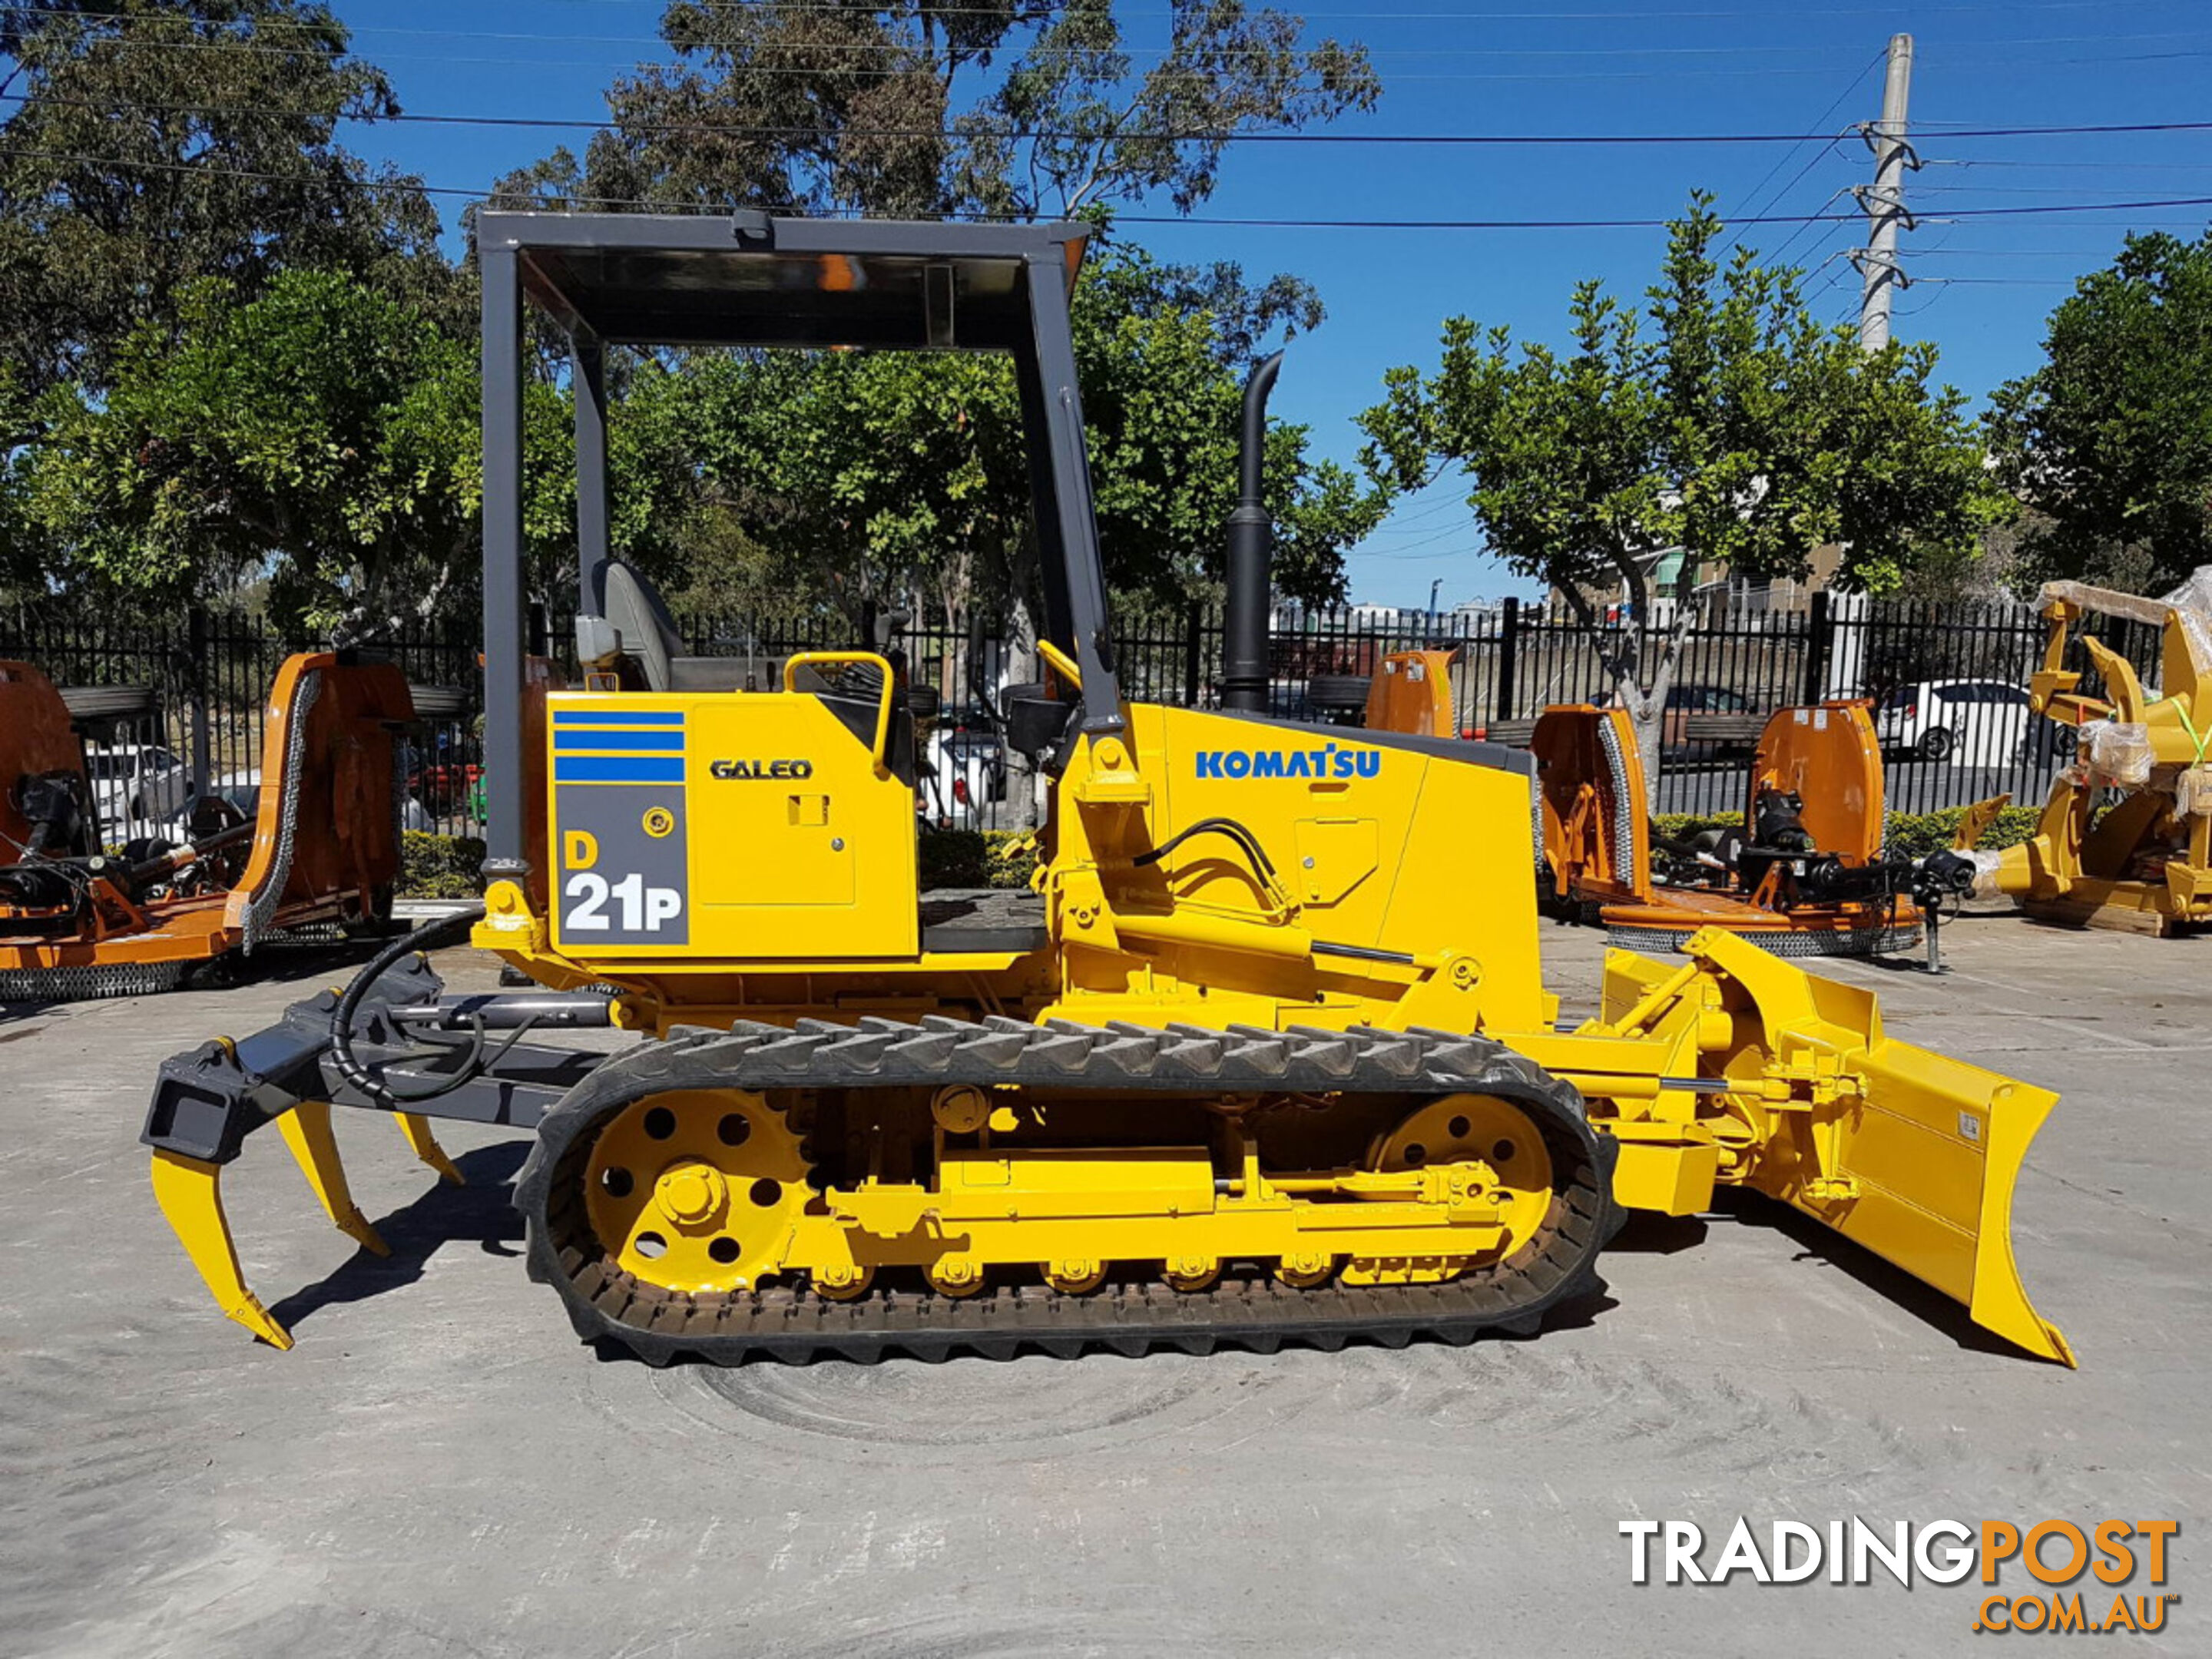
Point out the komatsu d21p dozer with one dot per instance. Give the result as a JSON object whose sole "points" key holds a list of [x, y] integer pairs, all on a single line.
{"points": [[1267, 1055]]}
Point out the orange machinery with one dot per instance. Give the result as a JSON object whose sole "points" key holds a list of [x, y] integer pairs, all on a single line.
{"points": [[1411, 692], [77, 920], [1804, 876]]}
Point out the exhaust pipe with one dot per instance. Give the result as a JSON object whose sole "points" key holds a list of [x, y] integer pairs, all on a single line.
{"points": [[1251, 551]]}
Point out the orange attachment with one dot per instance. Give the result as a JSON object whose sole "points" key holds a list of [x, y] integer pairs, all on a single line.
{"points": [[1590, 794], [1597, 837], [1411, 692], [329, 758]]}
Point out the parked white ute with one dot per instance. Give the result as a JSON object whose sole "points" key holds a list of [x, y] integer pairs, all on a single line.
{"points": [[1964, 722], [137, 784]]}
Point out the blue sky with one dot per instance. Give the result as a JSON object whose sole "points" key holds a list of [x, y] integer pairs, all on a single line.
{"points": [[1508, 66]]}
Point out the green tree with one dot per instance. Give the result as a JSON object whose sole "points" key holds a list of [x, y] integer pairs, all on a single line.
{"points": [[155, 143], [2111, 441], [929, 107], [321, 438], [900, 477], [1721, 421]]}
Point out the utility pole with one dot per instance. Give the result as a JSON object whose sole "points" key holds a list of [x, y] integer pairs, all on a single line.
{"points": [[1884, 201]]}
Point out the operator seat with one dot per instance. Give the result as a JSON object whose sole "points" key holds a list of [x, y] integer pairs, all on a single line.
{"points": [[646, 633]]}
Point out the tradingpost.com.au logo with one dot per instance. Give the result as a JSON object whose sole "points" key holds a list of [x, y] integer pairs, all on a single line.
{"points": [[2075, 1565]]}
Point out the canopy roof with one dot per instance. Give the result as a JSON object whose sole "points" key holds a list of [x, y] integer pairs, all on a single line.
{"points": [[751, 280]]}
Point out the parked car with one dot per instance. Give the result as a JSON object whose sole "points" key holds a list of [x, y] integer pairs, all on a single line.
{"points": [[135, 785], [442, 783], [1965, 722], [968, 729], [1683, 701], [953, 783]]}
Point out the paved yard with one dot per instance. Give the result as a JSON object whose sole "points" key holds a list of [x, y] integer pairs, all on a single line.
{"points": [[440, 1468]]}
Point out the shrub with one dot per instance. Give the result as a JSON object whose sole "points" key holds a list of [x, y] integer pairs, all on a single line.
{"points": [[440, 866], [977, 858]]}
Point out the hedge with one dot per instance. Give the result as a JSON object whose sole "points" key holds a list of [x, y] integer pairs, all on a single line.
{"points": [[977, 858], [1907, 835], [440, 866]]}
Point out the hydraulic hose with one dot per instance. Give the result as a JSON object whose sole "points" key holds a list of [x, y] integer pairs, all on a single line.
{"points": [[428, 937]]}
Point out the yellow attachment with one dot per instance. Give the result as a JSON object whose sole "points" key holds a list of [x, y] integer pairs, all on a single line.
{"points": [[1975, 823], [190, 1192], [307, 1131], [1907, 1152], [696, 1191], [417, 1128]]}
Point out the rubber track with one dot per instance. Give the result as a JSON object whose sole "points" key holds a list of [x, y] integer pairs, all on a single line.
{"points": [[607, 1304]]}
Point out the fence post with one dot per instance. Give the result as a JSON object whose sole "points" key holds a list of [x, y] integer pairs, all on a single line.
{"points": [[1820, 639], [1509, 629], [1194, 653], [539, 636], [195, 634]]}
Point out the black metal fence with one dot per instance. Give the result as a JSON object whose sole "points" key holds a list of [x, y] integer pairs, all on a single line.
{"points": [[1950, 680]]}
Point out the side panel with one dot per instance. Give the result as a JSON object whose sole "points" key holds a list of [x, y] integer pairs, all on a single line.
{"points": [[724, 826], [1409, 851]]}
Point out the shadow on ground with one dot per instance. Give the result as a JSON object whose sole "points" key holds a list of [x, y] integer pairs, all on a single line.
{"points": [[482, 1213]]}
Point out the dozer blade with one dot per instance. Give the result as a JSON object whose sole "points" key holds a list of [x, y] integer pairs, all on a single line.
{"points": [[1908, 1153]]}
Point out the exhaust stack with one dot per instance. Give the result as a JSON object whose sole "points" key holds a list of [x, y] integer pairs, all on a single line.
{"points": [[1251, 551]]}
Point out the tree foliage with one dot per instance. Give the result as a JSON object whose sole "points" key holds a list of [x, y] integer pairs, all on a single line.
{"points": [[321, 438], [2110, 442], [236, 356], [894, 476], [160, 142], [1720, 418], [926, 109]]}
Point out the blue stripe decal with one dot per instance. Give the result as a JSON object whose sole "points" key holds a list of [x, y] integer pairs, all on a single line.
{"points": [[616, 717], [617, 769], [623, 742]]}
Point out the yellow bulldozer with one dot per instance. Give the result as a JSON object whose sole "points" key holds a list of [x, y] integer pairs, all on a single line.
{"points": [[1266, 1056]]}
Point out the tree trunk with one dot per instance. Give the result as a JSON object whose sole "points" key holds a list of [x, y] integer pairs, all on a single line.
{"points": [[1643, 697]]}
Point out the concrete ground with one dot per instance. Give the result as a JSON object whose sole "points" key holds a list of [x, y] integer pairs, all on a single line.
{"points": [[440, 1468]]}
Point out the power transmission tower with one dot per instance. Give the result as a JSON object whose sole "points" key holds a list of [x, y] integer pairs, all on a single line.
{"points": [[1884, 200]]}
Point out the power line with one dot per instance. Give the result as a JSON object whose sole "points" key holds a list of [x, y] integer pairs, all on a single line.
{"points": [[1813, 161], [1195, 135], [246, 41], [204, 169]]}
